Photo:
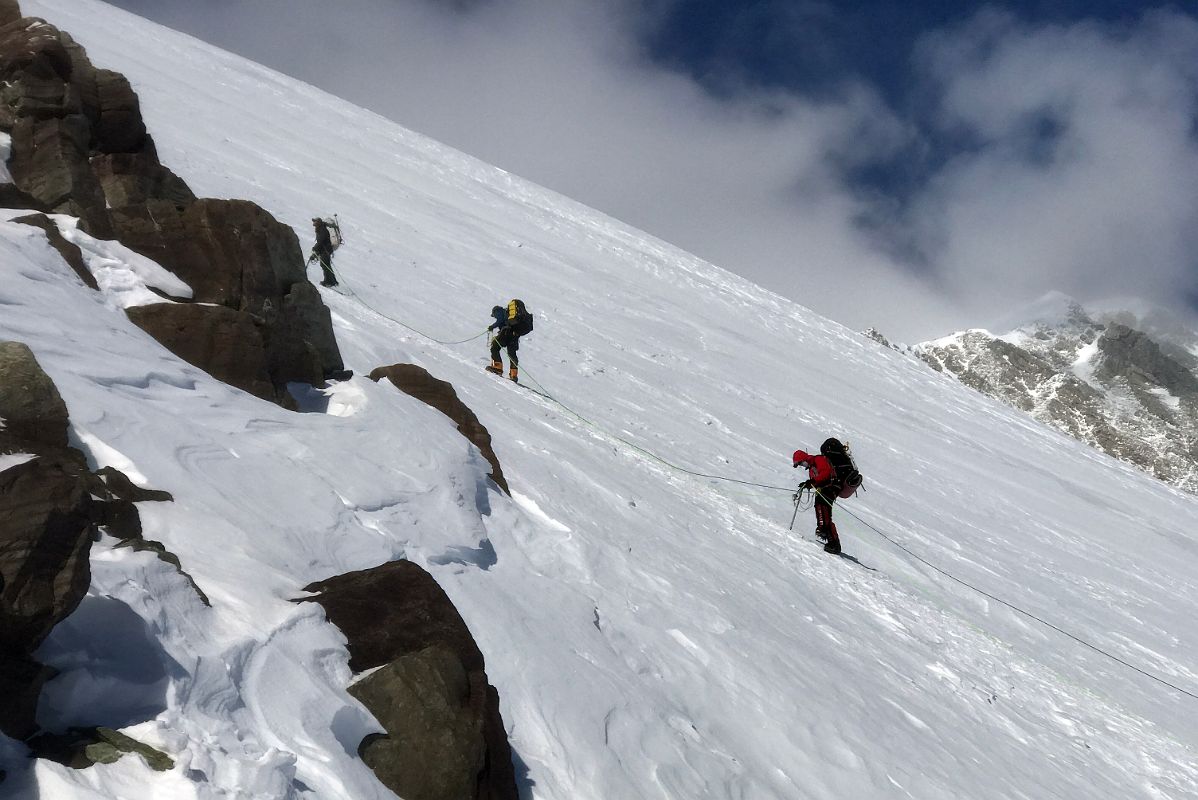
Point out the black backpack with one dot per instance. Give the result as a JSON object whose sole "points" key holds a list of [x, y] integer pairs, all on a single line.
{"points": [[522, 324], [841, 459]]}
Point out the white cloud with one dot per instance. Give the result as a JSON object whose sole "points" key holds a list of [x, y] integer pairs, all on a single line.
{"points": [[559, 91], [1109, 208]]}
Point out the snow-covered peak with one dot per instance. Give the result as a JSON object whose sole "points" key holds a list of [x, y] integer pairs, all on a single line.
{"points": [[1053, 310]]}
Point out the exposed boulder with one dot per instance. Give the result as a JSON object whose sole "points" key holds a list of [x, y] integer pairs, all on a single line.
{"points": [[433, 697], [50, 509], [132, 178], [120, 128], [45, 535], [235, 254], [12, 197], [225, 343], [35, 71], [33, 412], [417, 382], [50, 162], [10, 11], [70, 252], [1135, 357], [80, 748], [80, 147], [305, 319], [434, 748], [45, 530]]}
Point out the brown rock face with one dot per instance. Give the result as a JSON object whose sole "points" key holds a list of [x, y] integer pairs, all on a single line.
{"points": [[119, 128], [50, 162], [230, 252], [417, 382], [434, 748], [45, 530], [80, 147], [10, 11], [12, 197], [136, 178], [225, 343], [233, 253], [33, 411], [45, 527], [433, 697], [50, 508]]}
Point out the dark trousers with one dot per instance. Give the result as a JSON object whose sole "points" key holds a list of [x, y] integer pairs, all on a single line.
{"points": [[825, 528], [325, 257], [509, 340]]}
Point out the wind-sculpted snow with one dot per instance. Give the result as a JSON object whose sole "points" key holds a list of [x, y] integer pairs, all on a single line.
{"points": [[651, 634]]}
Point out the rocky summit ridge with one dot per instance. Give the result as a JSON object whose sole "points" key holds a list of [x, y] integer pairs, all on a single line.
{"points": [[1125, 382]]}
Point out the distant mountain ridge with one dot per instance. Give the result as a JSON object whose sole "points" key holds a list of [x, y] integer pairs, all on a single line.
{"points": [[1123, 381]]}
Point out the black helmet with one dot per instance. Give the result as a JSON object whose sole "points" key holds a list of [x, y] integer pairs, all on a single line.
{"points": [[497, 310]]}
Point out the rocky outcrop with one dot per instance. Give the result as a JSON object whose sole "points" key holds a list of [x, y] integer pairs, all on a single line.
{"points": [[51, 506], [45, 530], [133, 179], [417, 382], [445, 738], [69, 252], [80, 147], [80, 748], [10, 11], [226, 343], [33, 411], [1103, 383], [1131, 355], [12, 197]]}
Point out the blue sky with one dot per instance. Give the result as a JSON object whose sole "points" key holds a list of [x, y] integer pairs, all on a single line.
{"points": [[813, 46], [921, 167]]}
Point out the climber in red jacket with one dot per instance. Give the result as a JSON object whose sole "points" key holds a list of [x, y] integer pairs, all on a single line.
{"points": [[822, 479]]}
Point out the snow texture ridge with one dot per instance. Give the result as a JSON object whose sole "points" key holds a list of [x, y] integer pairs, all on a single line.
{"points": [[651, 634]]}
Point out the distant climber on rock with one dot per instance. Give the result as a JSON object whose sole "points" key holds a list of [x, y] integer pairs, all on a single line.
{"points": [[831, 474], [510, 324], [328, 239]]}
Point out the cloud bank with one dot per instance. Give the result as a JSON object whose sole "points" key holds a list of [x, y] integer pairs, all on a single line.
{"points": [[1051, 157]]}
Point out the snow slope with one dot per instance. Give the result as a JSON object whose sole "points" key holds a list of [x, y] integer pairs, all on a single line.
{"points": [[652, 634]]}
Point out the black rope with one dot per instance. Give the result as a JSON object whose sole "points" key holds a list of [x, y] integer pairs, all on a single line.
{"points": [[1024, 612]]}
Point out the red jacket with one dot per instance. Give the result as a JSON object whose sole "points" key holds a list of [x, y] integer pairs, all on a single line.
{"points": [[819, 469]]}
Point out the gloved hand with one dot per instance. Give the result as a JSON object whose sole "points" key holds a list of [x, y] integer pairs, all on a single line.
{"points": [[805, 485]]}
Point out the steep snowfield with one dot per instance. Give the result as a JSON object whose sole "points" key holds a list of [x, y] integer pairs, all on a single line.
{"points": [[652, 634]]}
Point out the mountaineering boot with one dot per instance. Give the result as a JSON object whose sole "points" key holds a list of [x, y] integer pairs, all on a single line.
{"points": [[514, 373], [496, 367], [832, 545]]}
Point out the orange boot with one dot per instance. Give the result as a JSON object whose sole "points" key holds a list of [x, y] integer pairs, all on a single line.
{"points": [[496, 367], [514, 373]]}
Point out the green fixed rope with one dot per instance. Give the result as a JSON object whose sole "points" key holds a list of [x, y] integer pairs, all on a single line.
{"points": [[543, 392], [403, 324]]}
